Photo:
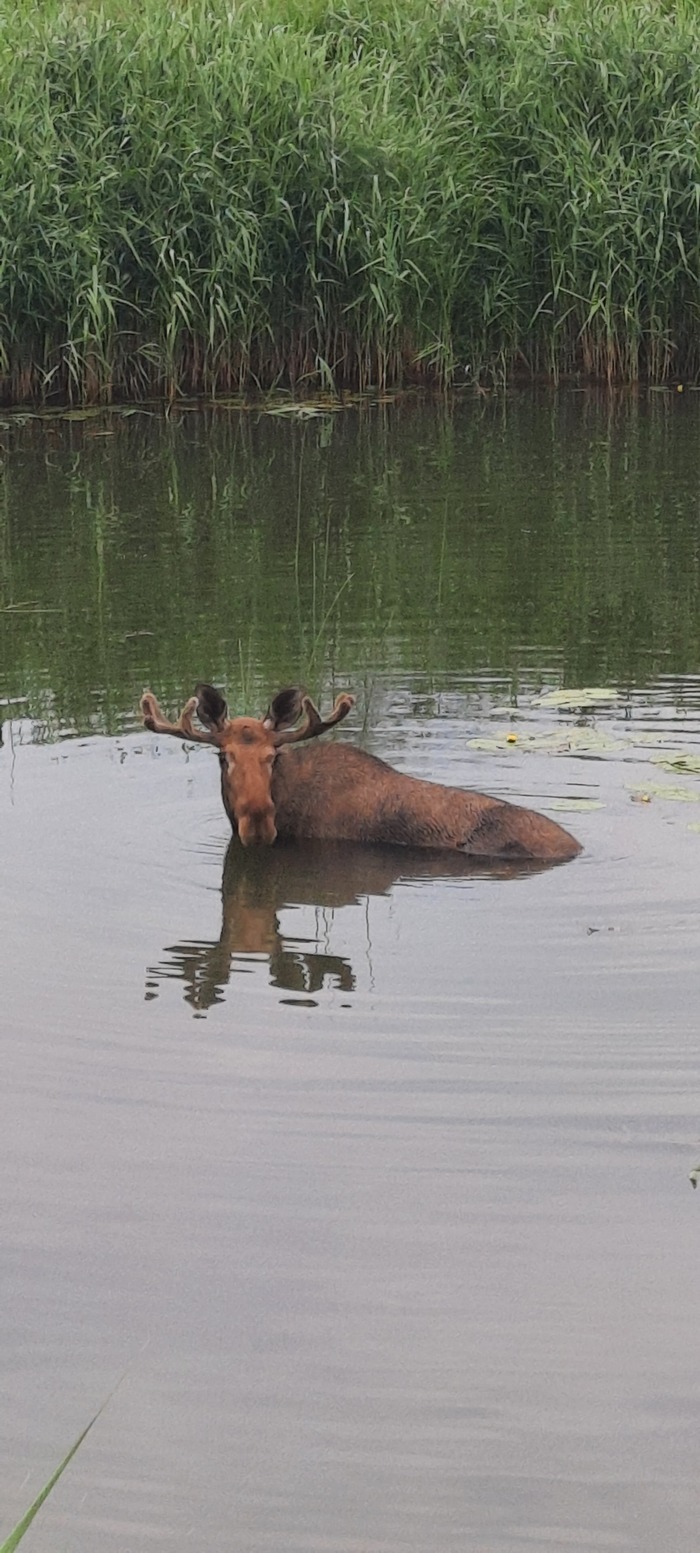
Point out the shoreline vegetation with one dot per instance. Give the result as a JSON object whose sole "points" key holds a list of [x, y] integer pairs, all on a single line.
{"points": [[208, 198]]}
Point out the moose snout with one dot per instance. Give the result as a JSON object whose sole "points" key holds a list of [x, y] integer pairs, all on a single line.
{"points": [[257, 829]]}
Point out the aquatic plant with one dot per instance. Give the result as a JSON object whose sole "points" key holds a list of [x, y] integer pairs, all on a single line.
{"points": [[22, 1527], [205, 198]]}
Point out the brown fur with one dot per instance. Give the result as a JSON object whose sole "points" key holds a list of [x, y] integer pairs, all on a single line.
{"points": [[247, 756], [335, 792]]}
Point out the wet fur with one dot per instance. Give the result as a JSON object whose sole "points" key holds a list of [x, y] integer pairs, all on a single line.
{"points": [[334, 792]]}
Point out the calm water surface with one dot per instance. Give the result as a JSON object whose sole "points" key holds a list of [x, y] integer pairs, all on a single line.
{"points": [[371, 1170]]}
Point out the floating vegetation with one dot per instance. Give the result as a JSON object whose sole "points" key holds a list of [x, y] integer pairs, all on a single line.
{"points": [[556, 741], [658, 790], [30, 609], [302, 412], [575, 805], [658, 741], [576, 700], [678, 762], [592, 742]]}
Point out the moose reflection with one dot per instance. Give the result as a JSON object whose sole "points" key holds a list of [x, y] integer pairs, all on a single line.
{"points": [[258, 885]]}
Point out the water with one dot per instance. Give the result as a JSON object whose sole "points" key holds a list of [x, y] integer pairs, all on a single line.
{"points": [[370, 1169]]}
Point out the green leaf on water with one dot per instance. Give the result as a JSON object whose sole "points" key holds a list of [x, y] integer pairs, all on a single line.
{"points": [[558, 741], [493, 746], [678, 762], [695, 826], [573, 699], [657, 789], [574, 806], [304, 411], [77, 415]]}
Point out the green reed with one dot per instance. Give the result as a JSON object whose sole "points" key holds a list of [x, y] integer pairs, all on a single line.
{"points": [[204, 197], [12, 1542]]}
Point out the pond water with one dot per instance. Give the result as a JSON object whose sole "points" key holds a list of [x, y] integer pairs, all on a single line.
{"points": [[370, 1170]]}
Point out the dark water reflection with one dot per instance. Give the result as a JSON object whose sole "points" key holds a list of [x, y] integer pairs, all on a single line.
{"points": [[554, 536], [373, 1168], [258, 885]]}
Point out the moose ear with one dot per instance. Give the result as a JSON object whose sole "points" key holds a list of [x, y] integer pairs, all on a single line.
{"points": [[285, 710], [211, 707]]}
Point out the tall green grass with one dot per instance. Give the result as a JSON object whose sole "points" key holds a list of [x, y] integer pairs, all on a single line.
{"points": [[208, 196]]}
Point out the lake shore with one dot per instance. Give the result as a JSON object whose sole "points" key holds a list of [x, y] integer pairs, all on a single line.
{"points": [[205, 201]]}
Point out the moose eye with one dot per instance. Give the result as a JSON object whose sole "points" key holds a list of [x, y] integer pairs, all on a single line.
{"points": [[222, 759]]}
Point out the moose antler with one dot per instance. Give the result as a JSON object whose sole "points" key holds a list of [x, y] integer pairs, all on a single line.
{"points": [[314, 723], [184, 727]]}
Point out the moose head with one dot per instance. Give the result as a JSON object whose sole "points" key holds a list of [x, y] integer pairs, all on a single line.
{"points": [[248, 747]]}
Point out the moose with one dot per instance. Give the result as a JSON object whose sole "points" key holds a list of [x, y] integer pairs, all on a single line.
{"points": [[336, 792], [339, 792]]}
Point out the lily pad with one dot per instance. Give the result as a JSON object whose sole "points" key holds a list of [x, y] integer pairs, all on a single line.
{"points": [[674, 794], [558, 741], [571, 700], [656, 740], [678, 762]]}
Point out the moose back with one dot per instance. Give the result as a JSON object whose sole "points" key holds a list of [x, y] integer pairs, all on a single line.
{"points": [[335, 792]]}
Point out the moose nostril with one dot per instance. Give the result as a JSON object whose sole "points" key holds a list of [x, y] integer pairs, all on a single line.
{"points": [[258, 828]]}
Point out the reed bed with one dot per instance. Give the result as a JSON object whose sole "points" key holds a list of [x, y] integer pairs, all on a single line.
{"points": [[206, 197]]}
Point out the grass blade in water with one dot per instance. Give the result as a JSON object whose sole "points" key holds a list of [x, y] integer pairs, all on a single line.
{"points": [[15, 1537]]}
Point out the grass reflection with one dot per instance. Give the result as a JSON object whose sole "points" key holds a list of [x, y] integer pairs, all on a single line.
{"points": [[250, 549]]}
